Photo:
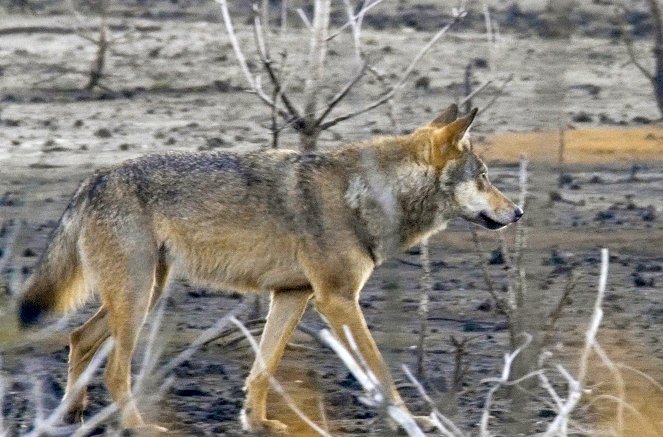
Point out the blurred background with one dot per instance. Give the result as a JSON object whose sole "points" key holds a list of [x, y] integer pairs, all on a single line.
{"points": [[571, 98]]}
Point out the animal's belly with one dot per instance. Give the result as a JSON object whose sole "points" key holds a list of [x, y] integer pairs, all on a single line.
{"points": [[242, 264]]}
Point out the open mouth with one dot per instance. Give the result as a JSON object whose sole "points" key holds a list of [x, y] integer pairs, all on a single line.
{"points": [[488, 222]]}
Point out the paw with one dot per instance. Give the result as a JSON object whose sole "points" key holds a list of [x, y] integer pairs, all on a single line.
{"points": [[146, 430], [264, 426], [73, 416], [425, 423]]}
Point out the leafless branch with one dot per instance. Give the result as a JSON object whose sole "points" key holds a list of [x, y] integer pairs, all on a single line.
{"points": [[253, 82], [317, 54], [443, 424], [353, 18], [500, 304], [556, 313], [275, 384], [305, 19], [576, 384], [273, 76], [406, 74], [499, 382], [342, 93], [498, 94], [474, 93], [633, 59]]}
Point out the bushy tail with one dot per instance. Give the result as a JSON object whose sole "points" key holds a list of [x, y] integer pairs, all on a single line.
{"points": [[57, 284]]}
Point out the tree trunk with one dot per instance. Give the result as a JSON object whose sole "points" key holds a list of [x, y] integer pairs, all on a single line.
{"points": [[97, 70], [657, 80], [308, 140], [658, 89]]}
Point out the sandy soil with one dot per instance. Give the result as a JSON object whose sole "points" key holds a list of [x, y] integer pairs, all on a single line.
{"points": [[176, 87]]}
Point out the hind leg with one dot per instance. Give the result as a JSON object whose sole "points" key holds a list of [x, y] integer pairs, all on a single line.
{"points": [[126, 316], [88, 338], [84, 343], [121, 255]]}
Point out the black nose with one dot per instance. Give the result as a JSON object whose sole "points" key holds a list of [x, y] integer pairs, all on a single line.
{"points": [[518, 213]]}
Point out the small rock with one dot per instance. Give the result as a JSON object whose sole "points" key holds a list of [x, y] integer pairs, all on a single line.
{"points": [[350, 382], [103, 133], [642, 267], [480, 62], [641, 120], [642, 281], [649, 214], [485, 306], [496, 257], [222, 85], [557, 258], [582, 117], [547, 413], [555, 196], [422, 83], [605, 215], [565, 178], [28, 253], [606, 119], [596, 179], [190, 391], [472, 326]]}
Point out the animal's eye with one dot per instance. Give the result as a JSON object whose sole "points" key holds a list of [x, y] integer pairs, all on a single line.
{"points": [[483, 175]]}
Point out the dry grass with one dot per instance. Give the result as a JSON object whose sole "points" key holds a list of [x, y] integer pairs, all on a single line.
{"points": [[583, 146]]}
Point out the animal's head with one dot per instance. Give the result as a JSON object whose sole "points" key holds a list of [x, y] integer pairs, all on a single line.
{"points": [[463, 176]]}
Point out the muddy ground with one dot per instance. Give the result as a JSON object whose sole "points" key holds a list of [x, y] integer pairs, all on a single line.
{"points": [[174, 85]]}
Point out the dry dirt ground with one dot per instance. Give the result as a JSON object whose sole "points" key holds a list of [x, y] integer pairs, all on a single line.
{"points": [[174, 85]]}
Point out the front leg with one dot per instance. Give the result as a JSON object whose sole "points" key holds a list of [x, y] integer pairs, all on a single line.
{"points": [[339, 311]]}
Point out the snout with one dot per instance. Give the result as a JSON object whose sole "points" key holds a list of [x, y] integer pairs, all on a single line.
{"points": [[518, 214], [493, 220]]}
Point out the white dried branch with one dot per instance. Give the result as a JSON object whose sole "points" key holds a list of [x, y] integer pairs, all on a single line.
{"points": [[274, 382], [241, 59], [475, 92], [443, 424], [317, 54], [499, 382], [619, 383], [305, 19], [206, 336], [152, 353], [576, 389], [342, 93], [279, 89], [49, 424], [499, 92], [459, 14], [354, 18], [374, 392], [284, 18]]}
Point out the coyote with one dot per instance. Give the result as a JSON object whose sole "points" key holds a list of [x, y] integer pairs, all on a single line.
{"points": [[296, 225]]}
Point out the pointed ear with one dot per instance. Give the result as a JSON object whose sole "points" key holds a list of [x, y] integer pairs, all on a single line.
{"points": [[448, 138], [457, 129], [445, 117]]}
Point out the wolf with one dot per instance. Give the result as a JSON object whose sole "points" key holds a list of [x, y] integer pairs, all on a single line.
{"points": [[300, 226]]}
